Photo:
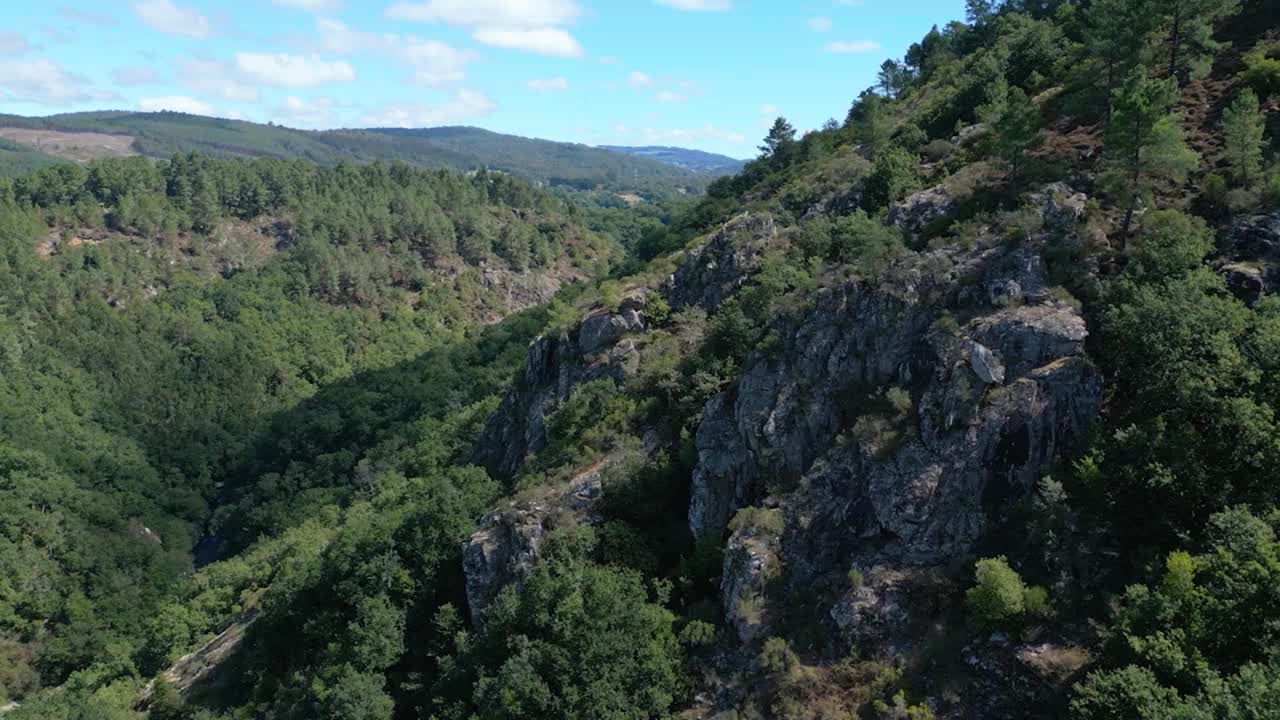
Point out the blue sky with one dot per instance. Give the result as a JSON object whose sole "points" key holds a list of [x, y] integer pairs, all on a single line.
{"points": [[709, 74]]}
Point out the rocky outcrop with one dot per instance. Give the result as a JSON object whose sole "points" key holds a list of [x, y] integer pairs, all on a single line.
{"points": [[980, 409], [718, 267], [509, 541], [750, 563], [915, 212], [596, 348], [1249, 257]]}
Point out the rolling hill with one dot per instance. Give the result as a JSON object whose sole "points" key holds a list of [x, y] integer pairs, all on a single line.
{"points": [[693, 160], [80, 136]]}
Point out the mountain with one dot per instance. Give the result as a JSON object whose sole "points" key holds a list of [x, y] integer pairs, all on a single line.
{"points": [[694, 160], [81, 136], [967, 407]]}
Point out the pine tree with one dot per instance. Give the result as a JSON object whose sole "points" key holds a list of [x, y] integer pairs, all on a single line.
{"points": [[894, 78], [779, 142], [1115, 31], [1244, 130], [1144, 142], [1189, 24], [1015, 131]]}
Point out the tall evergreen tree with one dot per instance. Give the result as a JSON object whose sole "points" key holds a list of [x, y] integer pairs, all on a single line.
{"points": [[1189, 24], [1144, 142], [1244, 131], [779, 142], [1115, 32], [1015, 131]]}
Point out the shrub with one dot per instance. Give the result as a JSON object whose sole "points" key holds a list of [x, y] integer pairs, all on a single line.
{"points": [[1035, 602], [764, 521], [776, 656], [1262, 69], [1214, 195], [938, 150], [1271, 195], [896, 173], [856, 580], [698, 634], [997, 596]]}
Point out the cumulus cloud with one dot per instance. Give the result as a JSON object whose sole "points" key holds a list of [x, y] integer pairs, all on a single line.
{"points": [[532, 25], [638, 79], [310, 5], [42, 81], [133, 75], [305, 112], [176, 103], [668, 96], [543, 41], [489, 13], [465, 104], [432, 62], [697, 4], [216, 77], [293, 71], [167, 17], [549, 84], [820, 24], [857, 46]]}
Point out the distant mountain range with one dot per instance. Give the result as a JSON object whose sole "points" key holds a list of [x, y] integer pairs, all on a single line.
{"points": [[29, 142], [692, 160]]}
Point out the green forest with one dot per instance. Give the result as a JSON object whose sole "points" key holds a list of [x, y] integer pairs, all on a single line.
{"points": [[252, 410]]}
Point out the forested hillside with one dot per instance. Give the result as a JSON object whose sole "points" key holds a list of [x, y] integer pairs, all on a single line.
{"points": [[162, 134], [963, 406]]}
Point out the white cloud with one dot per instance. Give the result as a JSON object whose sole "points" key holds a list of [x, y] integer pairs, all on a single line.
{"points": [[769, 110], [433, 63], [465, 104], [532, 25], [638, 79], [310, 5], [215, 77], [133, 75], [667, 96], [41, 81], [489, 13], [12, 43], [549, 84], [849, 3], [857, 46], [305, 112], [543, 41], [176, 103], [292, 71], [697, 4], [166, 17], [654, 136], [820, 24], [88, 18]]}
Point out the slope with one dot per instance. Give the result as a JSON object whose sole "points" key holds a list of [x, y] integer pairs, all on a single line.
{"points": [[695, 160], [165, 133]]}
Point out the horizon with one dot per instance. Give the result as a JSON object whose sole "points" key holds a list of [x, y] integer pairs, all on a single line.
{"points": [[579, 71]]}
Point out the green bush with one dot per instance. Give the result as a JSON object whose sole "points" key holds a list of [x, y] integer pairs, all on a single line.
{"points": [[698, 634], [1035, 602], [1262, 69], [896, 174], [1271, 195], [776, 656], [998, 595]]}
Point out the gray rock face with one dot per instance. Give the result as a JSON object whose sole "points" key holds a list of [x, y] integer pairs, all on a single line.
{"points": [[750, 562], [994, 402], [1249, 257], [598, 347], [509, 541], [721, 265], [917, 210]]}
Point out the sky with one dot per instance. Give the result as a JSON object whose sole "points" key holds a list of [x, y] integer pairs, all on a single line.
{"points": [[706, 74]]}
